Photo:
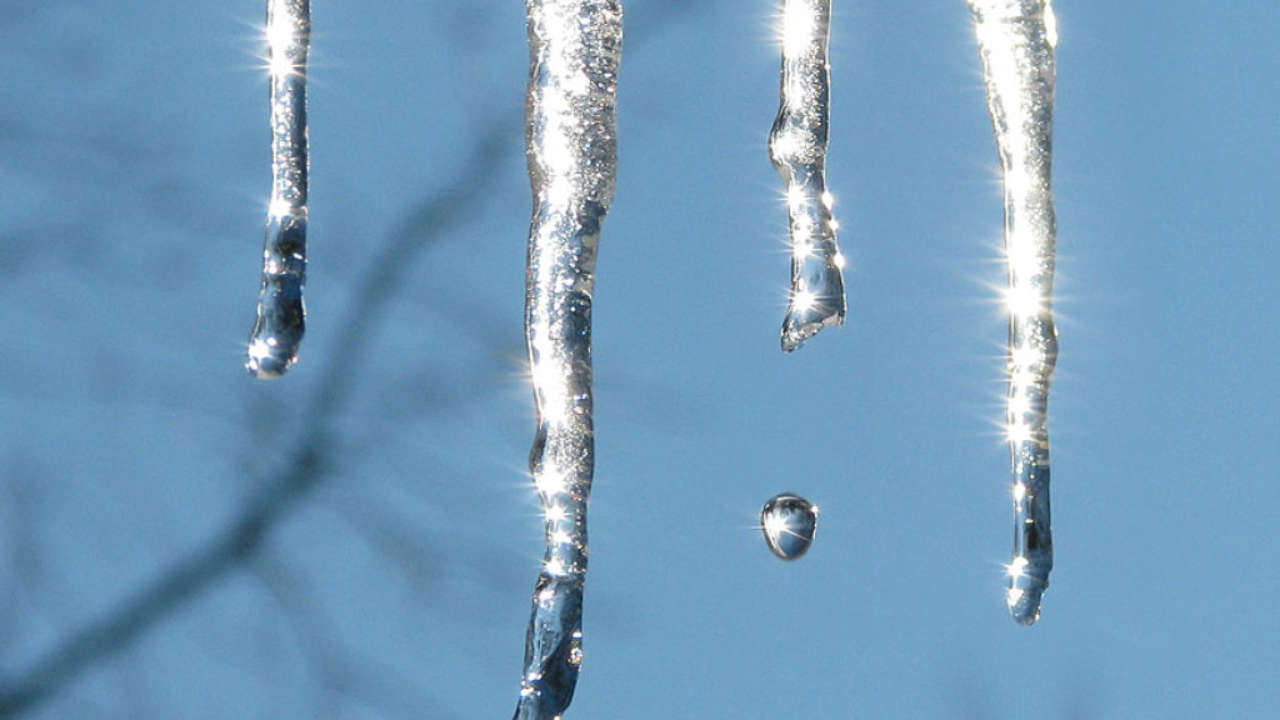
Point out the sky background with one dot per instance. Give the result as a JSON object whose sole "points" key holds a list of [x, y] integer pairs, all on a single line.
{"points": [[395, 581]]}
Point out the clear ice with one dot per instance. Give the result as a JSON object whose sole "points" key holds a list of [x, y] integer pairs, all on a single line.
{"points": [[1016, 39], [798, 149], [571, 147], [789, 523], [277, 333]]}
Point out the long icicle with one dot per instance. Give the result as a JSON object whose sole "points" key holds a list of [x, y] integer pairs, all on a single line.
{"points": [[1016, 39], [798, 148], [571, 146], [273, 344]]}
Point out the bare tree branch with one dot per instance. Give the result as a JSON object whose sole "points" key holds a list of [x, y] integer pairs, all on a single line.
{"points": [[307, 466], [299, 474], [343, 673]]}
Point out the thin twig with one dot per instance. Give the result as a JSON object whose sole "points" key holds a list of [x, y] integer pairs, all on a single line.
{"points": [[300, 473], [304, 469]]}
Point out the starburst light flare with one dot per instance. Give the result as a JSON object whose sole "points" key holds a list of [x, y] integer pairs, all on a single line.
{"points": [[277, 333], [1016, 40], [571, 147], [798, 149]]}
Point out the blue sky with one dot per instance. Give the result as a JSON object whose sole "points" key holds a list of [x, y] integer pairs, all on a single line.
{"points": [[133, 181]]}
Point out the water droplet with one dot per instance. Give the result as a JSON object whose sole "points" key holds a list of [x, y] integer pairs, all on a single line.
{"points": [[789, 523], [575, 648]]}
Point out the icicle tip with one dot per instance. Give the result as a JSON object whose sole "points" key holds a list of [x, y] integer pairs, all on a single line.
{"points": [[1023, 600], [809, 313]]}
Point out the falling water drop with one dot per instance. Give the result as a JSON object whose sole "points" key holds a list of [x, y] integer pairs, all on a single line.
{"points": [[789, 523], [281, 322], [1016, 39], [798, 149]]}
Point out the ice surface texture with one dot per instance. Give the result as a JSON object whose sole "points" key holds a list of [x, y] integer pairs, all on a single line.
{"points": [[1016, 39], [571, 147], [273, 344]]}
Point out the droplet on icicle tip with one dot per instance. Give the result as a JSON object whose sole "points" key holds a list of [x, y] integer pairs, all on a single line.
{"points": [[1023, 600], [789, 523], [268, 359]]}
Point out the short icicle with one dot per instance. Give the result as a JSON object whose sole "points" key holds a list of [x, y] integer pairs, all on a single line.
{"points": [[1016, 39], [273, 344], [571, 147], [798, 149]]}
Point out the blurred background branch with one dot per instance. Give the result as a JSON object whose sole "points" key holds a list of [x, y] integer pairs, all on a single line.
{"points": [[295, 478]]}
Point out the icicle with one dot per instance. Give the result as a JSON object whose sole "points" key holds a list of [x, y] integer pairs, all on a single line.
{"points": [[571, 145], [273, 344], [798, 148], [1016, 39]]}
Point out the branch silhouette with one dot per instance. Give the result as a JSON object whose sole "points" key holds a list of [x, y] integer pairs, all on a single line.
{"points": [[307, 466], [301, 472]]}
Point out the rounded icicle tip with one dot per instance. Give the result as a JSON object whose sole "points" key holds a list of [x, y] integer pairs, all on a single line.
{"points": [[789, 523], [1023, 599], [268, 359]]}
